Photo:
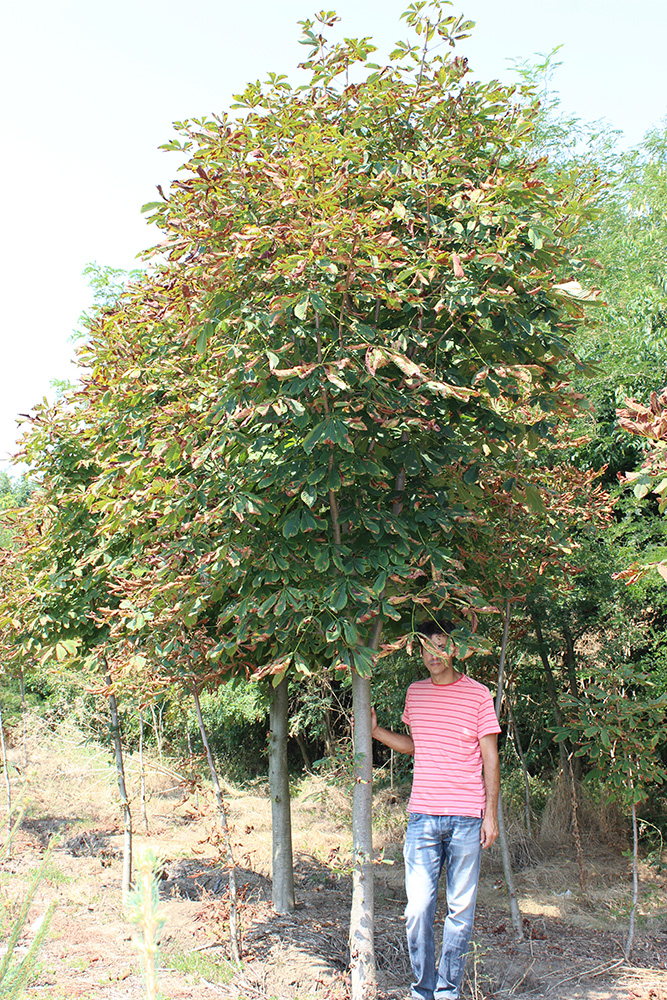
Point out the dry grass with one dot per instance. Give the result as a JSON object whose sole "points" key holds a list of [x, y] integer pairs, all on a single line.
{"points": [[72, 788], [599, 822]]}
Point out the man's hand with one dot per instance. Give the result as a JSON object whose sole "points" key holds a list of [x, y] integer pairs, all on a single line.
{"points": [[400, 742], [488, 746], [489, 831]]}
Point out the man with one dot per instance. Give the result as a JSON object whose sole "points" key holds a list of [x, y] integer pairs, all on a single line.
{"points": [[452, 810]]}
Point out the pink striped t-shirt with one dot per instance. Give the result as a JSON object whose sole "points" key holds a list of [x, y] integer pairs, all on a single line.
{"points": [[446, 722]]}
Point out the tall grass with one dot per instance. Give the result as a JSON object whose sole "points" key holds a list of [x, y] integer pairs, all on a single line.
{"points": [[143, 911], [15, 973]]}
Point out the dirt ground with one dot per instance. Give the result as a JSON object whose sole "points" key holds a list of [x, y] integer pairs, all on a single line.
{"points": [[573, 937]]}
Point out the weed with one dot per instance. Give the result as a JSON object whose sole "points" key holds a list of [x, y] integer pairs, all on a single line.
{"points": [[54, 876], [15, 975], [201, 965], [144, 912]]}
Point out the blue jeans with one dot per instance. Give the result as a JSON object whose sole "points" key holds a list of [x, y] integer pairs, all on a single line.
{"points": [[432, 842]]}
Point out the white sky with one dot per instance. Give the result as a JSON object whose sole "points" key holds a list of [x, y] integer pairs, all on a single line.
{"points": [[90, 90]]}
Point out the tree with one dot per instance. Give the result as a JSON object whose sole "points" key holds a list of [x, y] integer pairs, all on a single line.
{"points": [[619, 727], [288, 417], [60, 574]]}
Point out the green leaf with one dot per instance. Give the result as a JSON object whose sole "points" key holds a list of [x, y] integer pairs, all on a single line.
{"points": [[301, 309], [471, 475], [292, 524], [338, 599], [534, 499], [309, 496], [202, 339], [322, 561], [315, 436]]}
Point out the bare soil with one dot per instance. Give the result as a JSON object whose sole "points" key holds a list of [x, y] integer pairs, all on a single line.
{"points": [[573, 936]]}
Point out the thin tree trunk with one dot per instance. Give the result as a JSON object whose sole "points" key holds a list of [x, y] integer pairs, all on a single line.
{"points": [[234, 930], [515, 912], [142, 771], [362, 950], [304, 752], [122, 791], [8, 787], [575, 826], [635, 884], [328, 735], [157, 729], [281, 823], [524, 769]]}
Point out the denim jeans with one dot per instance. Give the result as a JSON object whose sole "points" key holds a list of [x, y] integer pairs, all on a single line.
{"points": [[432, 842]]}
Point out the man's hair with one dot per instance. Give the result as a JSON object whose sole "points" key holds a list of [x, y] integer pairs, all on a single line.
{"points": [[435, 626]]}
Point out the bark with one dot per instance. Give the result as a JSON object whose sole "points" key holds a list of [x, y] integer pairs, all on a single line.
{"points": [[234, 929], [8, 787], [515, 912], [362, 951], [142, 772], [281, 822], [122, 791]]}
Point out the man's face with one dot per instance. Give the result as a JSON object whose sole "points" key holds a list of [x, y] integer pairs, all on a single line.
{"points": [[438, 651]]}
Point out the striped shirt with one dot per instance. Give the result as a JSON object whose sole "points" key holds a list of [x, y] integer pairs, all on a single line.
{"points": [[447, 722]]}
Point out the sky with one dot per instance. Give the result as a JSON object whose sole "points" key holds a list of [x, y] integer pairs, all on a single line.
{"points": [[90, 89]]}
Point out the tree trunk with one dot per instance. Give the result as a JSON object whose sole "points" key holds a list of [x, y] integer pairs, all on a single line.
{"points": [[8, 787], [142, 772], [304, 752], [281, 823], [362, 951], [157, 729], [329, 745], [515, 912], [122, 791], [575, 827], [234, 930]]}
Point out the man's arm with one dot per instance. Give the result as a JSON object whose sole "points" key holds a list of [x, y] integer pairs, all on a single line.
{"points": [[489, 748], [396, 741]]}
